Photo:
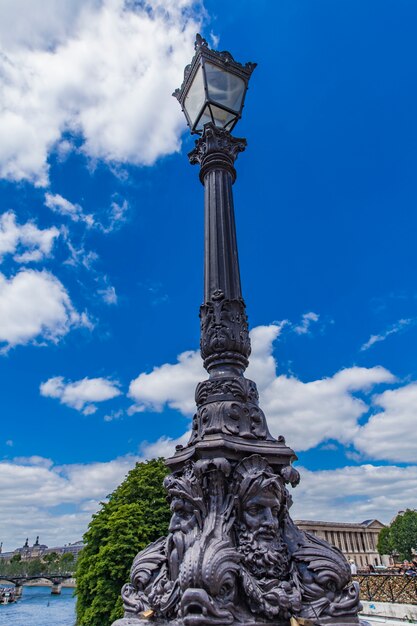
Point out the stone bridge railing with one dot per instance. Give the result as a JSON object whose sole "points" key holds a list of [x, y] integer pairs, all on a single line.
{"points": [[20, 581], [393, 588]]}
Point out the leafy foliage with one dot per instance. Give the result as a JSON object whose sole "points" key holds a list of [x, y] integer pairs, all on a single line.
{"points": [[400, 536], [50, 563], [384, 545], [135, 514]]}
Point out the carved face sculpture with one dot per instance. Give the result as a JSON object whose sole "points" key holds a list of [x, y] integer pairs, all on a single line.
{"points": [[258, 532], [183, 516], [182, 529], [260, 515]]}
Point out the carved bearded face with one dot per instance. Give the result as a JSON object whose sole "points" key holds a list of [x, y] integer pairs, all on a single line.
{"points": [[260, 515], [183, 516], [258, 534], [182, 532]]}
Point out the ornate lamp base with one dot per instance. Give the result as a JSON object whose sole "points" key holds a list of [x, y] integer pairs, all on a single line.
{"points": [[233, 556], [352, 621]]}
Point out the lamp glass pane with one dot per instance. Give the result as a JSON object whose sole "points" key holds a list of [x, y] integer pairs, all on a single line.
{"points": [[224, 88], [206, 117], [221, 117], [195, 97]]}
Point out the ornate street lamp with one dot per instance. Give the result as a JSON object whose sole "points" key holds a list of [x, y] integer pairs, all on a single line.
{"points": [[214, 88], [233, 555]]}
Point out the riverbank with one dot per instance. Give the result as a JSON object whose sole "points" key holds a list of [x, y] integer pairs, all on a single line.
{"points": [[38, 607]]}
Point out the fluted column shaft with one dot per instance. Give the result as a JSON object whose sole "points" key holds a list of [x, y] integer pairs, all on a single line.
{"points": [[221, 263], [225, 345]]}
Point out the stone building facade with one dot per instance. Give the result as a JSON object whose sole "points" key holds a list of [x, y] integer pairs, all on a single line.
{"points": [[357, 541], [39, 550]]}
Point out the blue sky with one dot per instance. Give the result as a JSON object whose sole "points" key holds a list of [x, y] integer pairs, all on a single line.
{"points": [[101, 247]]}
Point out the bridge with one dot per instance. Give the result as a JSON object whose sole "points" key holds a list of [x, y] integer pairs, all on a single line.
{"points": [[19, 581]]}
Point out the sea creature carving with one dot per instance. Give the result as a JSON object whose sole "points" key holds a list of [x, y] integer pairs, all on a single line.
{"points": [[233, 554]]}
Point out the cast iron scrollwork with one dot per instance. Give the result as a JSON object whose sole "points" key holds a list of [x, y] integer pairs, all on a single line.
{"points": [[224, 330], [234, 556]]}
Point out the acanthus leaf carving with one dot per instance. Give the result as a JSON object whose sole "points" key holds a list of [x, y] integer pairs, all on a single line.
{"points": [[233, 554]]}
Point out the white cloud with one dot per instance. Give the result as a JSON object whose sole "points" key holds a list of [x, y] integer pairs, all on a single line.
{"points": [[391, 434], [262, 364], [62, 206], [22, 23], [392, 330], [79, 256], [108, 294], [80, 394], [9, 443], [306, 320], [353, 494], [35, 306], [164, 446], [25, 241], [305, 412], [106, 220], [170, 384], [32, 491], [37, 461], [103, 70], [114, 217], [114, 415]]}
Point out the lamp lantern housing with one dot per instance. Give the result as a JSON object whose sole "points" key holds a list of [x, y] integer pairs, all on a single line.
{"points": [[214, 88]]}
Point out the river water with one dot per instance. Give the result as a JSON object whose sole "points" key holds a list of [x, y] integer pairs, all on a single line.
{"points": [[38, 607]]}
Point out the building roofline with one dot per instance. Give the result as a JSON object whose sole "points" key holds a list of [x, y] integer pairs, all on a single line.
{"points": [[358, 525]]}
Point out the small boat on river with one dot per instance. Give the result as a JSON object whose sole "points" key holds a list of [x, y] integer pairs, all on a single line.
{"points": [[7, 595]]}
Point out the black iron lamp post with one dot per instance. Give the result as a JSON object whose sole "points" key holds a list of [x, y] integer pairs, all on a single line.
{"points": [[232, 555], [214, 88], [228, 422]]}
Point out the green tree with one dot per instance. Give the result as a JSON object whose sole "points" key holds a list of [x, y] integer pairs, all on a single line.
{"points": [[384, 545], [66, 562], [403, 533], [51, 562], [135, 514], [16, 558], [400, 537], [34, 567]]}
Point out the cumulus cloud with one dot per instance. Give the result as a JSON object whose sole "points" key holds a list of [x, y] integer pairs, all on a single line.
{"points": [[354, 493], [164, 446], [35, 306], [80, 394], [392, 330], [26, 242], [310, 412], [169, 384], [33, 491], [305, 412], [391, 433], [103, 71], [306, 320], [36, 460]]}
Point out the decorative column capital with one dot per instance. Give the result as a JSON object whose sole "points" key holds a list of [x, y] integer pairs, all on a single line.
{"points": [[216, 149]]}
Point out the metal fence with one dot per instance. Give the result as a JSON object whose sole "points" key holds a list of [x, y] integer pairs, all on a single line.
{"points": [[397, 588]]}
